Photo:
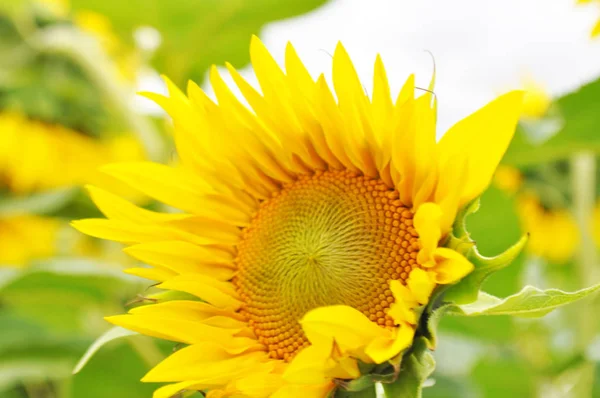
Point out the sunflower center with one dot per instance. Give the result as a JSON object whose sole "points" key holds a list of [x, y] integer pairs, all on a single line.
{"points": [[330, 238]]}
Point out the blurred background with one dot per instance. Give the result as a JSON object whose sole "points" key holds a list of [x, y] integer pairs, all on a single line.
{"points": [[69, 73]]}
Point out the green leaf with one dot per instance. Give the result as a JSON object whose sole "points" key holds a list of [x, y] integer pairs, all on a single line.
{"points": [[530, 302], [40, 203], [110, 335], [580, 132], [31, 353], [417, 365], [113, 372], [78, 276], [69, 294], [197, 34]]}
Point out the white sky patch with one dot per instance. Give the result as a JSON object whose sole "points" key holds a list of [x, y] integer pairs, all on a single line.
{"points": [[481, 48]]}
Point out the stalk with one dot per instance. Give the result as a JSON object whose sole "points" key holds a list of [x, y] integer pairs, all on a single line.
{"points": [[584, 195]]}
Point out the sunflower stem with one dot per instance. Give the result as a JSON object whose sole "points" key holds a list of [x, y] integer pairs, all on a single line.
{"points": [[583, 176]]}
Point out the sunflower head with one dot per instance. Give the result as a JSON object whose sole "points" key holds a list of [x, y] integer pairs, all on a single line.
{"points": [[315, 226], [553, 232]]}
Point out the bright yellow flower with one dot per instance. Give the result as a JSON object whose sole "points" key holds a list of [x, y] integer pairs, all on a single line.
{"points": [[313, 225], [553, 233]]}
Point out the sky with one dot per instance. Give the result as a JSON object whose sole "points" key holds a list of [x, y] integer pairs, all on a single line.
{"points": [[481, 48]]}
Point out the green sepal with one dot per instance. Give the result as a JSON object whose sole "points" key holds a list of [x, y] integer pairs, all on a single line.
{"points": [[365, 393], [430, 323], [371, 374], [459, 229], [467, 290], [417, 365]]}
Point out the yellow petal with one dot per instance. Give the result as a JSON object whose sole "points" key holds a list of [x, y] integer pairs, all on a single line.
{"points": [[348, 327], [171, 390], [421, 284], [427, 222], [319, 363], [303, 391], [182, 330], [115, 207], [154, 274], [257, 385], [181, 189], [185, 309], [484, 136], [309, 365], [384, 349], [207, 363], [217, 293], [128, 232], [401, 310], [185, 258], [451, 266]]}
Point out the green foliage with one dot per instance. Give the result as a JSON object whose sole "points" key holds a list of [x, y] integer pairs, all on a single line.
{"points": [[110, 335], [417, 365], [46, 202], [197, 34], [47, 86], [503, 376], [580, 132], [51, 312], [529, 302], [114, 372]]}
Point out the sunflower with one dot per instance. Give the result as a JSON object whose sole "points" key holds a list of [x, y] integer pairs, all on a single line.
{"points": [[312, 228], [553, 233], [543, 222], [38, 157], [25, 237]]}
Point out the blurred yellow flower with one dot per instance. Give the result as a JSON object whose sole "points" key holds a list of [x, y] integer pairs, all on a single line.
{"points": [[595, 32], [26, 237], [536, 102], [508, 178], [36, 157], [313, 228], [553, 233]]}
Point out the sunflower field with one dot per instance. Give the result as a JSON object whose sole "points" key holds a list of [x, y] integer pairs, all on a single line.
{"points": [[299, 198]]}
